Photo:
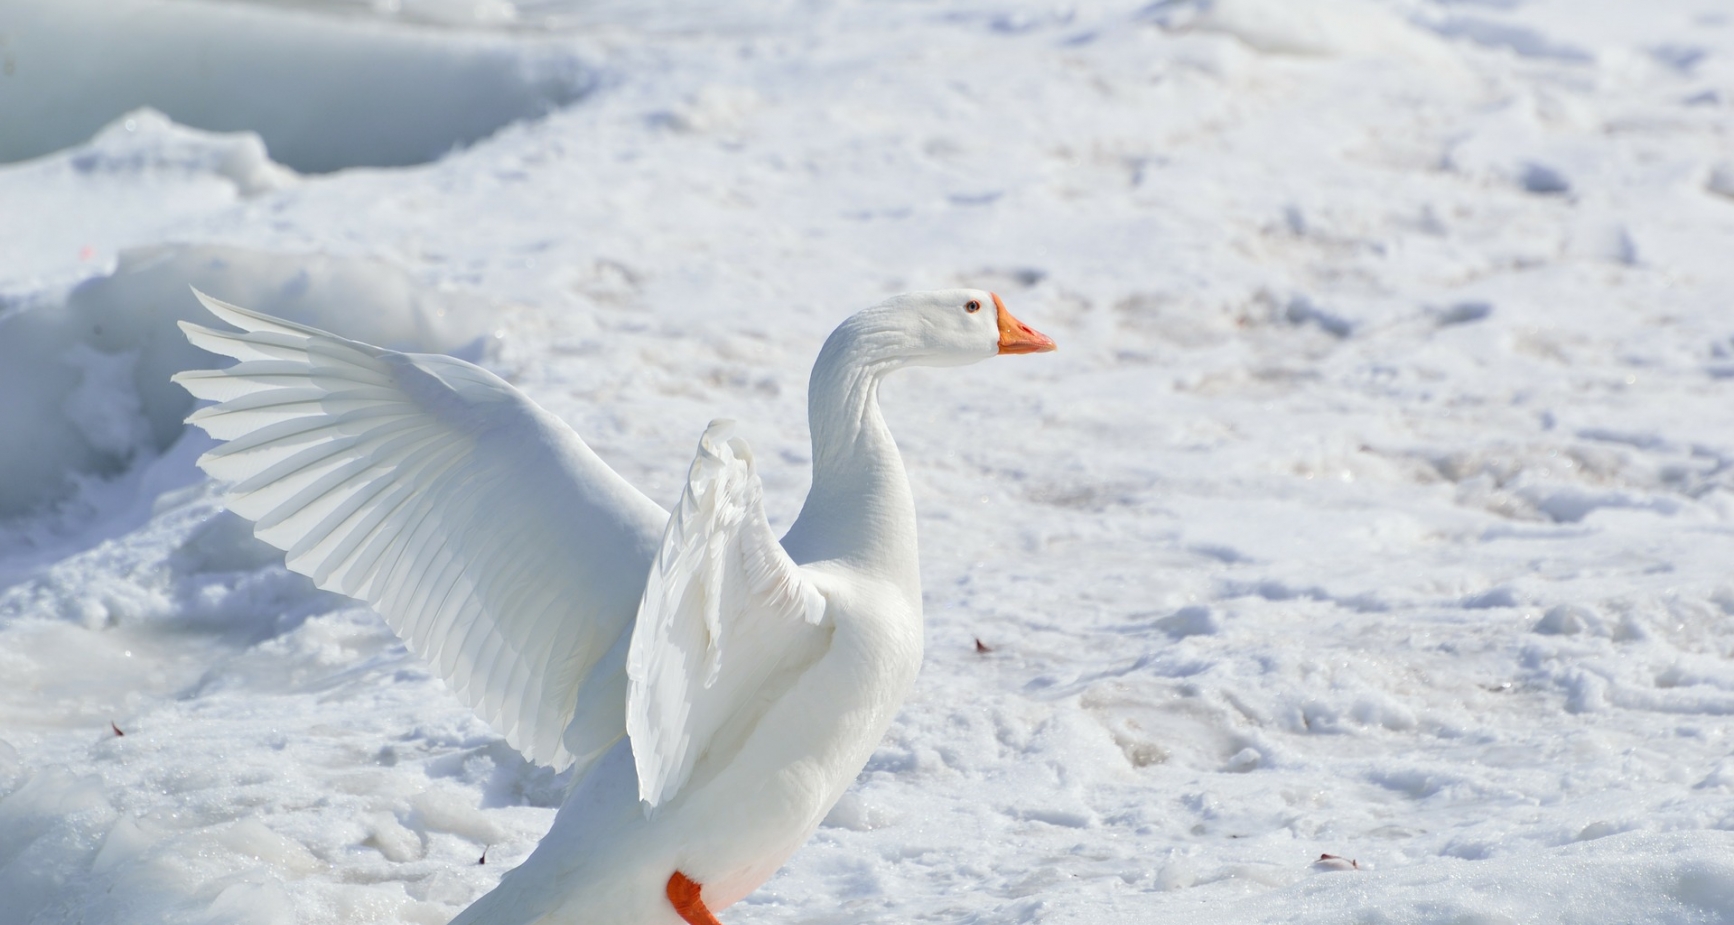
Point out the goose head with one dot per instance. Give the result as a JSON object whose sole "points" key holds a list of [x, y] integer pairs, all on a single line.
{"points": [[944, 327], [860, 508]]}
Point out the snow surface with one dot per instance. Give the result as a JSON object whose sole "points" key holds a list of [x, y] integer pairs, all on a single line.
{"points": [[324, 92], [1379, 502]]}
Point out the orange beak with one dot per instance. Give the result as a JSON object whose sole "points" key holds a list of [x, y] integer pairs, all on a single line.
{"points": [[1017, 337]]}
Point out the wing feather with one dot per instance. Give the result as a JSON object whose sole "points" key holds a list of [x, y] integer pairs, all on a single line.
{"points": [[727, 620], [489, 537]]}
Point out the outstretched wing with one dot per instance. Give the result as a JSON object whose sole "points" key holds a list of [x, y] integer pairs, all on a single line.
{"points": [[482, 529], [727, 624]]}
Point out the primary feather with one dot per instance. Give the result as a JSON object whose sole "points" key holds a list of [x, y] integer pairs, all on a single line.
{"points": [[482, 529]]}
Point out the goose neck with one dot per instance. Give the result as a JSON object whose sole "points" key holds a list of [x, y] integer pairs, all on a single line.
{"points": [[859, 509]]}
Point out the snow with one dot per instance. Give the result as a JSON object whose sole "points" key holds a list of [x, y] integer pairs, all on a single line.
{"points": [[1377, 503], [93, 367], [372, 94]]}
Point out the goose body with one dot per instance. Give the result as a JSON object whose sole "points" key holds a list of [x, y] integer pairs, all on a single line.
{"points": [[718, 690]]}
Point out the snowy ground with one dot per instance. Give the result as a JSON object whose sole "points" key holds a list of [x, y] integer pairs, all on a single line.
{"points": [[1379, 502]]}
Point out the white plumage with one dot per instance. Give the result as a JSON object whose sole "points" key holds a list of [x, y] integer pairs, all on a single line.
{"points": [[718, 689], [481, 527], [689, 670]]}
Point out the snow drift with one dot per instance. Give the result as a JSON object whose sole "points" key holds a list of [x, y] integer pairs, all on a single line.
{"points": [[84, 385], [324, 91]]}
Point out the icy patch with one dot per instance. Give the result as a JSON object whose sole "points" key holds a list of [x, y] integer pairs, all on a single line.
{"points": [[324, 92]]}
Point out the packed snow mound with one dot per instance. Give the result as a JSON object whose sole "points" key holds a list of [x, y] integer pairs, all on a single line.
{"points": [[1323, 28], [140, 173], [145, 141], [324, 92], [84, 384]]}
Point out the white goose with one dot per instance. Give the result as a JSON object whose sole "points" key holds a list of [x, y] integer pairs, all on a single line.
{"points": [[717, 690]]}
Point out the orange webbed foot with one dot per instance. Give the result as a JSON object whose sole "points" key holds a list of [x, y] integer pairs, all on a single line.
{"points": [[683, 892]]}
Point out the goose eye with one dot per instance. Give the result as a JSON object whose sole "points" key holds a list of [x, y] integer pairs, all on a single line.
{"points": [[972, 306]]}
